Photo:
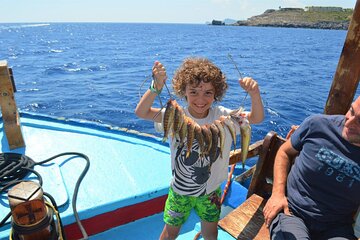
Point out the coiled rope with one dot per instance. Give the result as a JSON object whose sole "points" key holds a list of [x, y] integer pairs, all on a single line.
{"points": [[15, 167]]}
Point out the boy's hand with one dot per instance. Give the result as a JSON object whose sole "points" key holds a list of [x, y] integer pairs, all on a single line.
{"points": [[159, 75], [249, 85]]}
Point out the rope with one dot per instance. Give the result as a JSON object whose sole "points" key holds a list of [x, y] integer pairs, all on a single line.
{"points": [[59, 224], [228, 183], [14, 167]]}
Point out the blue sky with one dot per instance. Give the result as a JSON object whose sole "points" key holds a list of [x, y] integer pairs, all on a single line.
{"points": [[155, 11]]}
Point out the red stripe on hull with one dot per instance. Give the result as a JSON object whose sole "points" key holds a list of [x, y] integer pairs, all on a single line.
{"points": [[105, 221]]}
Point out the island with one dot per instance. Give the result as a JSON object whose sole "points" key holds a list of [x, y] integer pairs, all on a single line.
{"points": [[310, 17]]}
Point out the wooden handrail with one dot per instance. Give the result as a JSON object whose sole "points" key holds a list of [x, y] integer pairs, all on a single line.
{"points": [[254, 150]]}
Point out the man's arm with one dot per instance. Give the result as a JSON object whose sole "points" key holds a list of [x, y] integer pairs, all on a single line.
{"points": [[278, 201]]}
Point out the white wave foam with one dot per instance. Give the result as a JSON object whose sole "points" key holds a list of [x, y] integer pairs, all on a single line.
{"points": [[24, 26], [56, 51], [35, 25]]}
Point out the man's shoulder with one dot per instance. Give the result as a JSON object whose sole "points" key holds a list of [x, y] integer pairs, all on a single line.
{"points": [[321, 122], [323, 118]]}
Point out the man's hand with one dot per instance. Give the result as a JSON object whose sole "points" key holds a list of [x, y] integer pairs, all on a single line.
{"points": [[274, 205]]}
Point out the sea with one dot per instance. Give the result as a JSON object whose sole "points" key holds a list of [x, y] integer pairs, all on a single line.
{"points": [[98, 71]]}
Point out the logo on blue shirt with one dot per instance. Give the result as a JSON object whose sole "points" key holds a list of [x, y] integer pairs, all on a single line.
{"points": [[335, 164]]}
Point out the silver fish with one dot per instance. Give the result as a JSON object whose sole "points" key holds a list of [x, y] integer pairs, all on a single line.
{"points": [[245, 130], [230, 125], [221, 129]]}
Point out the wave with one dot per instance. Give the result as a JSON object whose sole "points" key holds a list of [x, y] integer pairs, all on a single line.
{"points": [[17, 26], [56, 51], [73, 68], [28, 90], [35, 25]]}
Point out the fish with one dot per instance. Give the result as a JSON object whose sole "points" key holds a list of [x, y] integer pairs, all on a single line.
{"points": [[207, 136], [245, 131], [182, 133], [200, 139], [237, 112], [168, 118], [221, 129], [190, 134], [215, 140], [230, 125], [178, 119]]}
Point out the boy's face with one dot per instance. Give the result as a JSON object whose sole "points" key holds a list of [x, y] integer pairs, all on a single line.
{"points": [[351, 130], [200, 99]]}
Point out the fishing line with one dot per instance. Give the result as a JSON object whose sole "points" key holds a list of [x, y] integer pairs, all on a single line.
{"points": [[142, 84], [158, 95], [237, 69], [232, 60], [243, 101]]}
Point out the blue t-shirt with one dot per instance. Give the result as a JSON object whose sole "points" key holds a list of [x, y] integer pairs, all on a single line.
{"points": [[323, 186]]}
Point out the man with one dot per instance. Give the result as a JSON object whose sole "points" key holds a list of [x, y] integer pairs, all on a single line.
{"points": [[318, 198]]}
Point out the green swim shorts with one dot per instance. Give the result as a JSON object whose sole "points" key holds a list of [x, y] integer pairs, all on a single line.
{"points": [[178, 207]]}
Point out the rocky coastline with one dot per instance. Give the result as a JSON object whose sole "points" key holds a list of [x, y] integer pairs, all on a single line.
{"points": [[310, 17]]}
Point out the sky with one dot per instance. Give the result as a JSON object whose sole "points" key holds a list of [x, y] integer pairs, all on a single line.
{"points": [[146, 11]]}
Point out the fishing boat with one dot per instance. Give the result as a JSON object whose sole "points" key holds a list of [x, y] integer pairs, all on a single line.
{"points": [[111, 183], [125, 187]]}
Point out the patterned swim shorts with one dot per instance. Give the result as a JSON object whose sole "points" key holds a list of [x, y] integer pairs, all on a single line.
{"points": [[178, 207]]}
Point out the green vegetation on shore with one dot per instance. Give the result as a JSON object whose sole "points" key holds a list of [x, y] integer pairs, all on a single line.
{"points": [[311, 17]]}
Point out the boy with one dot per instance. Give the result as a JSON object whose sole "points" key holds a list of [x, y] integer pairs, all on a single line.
{"points": [[196, 179]]}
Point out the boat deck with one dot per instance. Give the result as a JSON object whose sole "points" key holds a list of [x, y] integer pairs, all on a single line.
{"points": [[125, 187], [126, 168]]}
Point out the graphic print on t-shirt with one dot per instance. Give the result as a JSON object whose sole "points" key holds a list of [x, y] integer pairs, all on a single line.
{"points": [[192, 173], [344, 170]]}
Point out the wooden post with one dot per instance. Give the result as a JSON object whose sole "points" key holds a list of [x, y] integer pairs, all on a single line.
{"points": [[10, 114], [346, 79]]}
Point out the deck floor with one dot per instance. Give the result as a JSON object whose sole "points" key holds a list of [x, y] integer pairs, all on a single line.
{"points": [[125, 168]]}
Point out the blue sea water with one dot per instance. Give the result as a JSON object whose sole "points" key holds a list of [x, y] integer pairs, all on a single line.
{"points": [[95, 71]]}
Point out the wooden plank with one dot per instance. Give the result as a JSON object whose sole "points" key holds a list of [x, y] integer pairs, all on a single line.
{"points": [[247, 221], [254, 150], [264, 166], [9, 110], [347, 76], [245, 175]]}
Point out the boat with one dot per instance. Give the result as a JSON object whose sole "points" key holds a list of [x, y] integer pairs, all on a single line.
{"points": [[125, 187], [111, 182]]}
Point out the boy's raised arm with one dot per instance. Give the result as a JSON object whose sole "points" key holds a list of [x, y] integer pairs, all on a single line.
{"points": [[144, 108], [256, 114]]}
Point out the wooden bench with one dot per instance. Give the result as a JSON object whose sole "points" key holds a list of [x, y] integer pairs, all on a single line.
{"points": [[246, 221]]}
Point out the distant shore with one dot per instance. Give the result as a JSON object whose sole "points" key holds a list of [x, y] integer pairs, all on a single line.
{"points": [[310, 17]]}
